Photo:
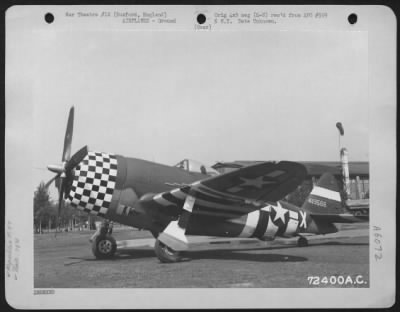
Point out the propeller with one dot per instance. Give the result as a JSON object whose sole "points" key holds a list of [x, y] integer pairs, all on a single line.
{"points": [[50, 181], [68, 136], [63, 177]]}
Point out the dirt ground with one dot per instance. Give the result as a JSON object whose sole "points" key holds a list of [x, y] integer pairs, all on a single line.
{"points": [[66, 261]]}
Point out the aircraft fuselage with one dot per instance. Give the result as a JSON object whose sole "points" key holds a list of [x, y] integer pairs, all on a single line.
{"points": [[115, 187]]}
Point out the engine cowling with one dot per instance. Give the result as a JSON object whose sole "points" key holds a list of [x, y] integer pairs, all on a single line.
{"points": [[93, 183]]}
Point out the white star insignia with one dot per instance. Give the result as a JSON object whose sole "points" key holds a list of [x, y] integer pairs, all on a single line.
{"points": [[280, 212]]}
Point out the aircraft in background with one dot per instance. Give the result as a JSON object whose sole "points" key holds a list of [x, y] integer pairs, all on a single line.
{"points": [[172, 202], [314, 168]]}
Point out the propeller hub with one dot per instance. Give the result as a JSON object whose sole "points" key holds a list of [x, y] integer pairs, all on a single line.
{"points": [[56, 168]]}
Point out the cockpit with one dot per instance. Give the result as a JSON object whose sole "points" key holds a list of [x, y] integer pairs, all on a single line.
{"points": [[196, 166]]}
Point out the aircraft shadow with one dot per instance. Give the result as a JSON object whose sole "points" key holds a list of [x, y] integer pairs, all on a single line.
{"points": [[120, 255], [243, 255], [135, 254], [225, 254], [228, 254], [339, 244]]}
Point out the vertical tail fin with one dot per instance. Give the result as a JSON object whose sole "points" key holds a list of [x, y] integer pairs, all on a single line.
{"points": [[325, 197]]}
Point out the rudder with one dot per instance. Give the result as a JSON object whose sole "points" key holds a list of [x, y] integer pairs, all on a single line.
{"points": [[325, 197]]}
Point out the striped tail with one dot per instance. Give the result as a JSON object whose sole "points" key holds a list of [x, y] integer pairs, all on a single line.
{"points": [[325, 198]]}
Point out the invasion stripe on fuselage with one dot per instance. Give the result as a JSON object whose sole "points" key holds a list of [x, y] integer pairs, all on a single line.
{"points": [[271, 229], [251, 224], [261, 225], [209, 203], [282, 230], [204, 207], [207, 194], [291, 227]]}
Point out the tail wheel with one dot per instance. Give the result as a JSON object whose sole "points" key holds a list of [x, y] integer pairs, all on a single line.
{"points": [[166, 254], [302, 242], [104, 247]]}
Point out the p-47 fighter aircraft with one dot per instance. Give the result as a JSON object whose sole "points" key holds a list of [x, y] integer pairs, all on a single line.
{"points": [[173, 203]]}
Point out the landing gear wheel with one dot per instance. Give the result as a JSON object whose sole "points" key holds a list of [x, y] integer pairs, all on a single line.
{"points": [[104, 246], [302, 242], [166, 254]]}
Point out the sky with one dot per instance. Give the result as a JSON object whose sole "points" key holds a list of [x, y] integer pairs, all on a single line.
{"points": [[209, 96]]}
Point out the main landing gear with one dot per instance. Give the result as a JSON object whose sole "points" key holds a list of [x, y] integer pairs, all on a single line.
{"points": [[165, 254], [302, 242], [103, 244]]}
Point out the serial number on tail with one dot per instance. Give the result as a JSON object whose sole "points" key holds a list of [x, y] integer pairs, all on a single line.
{"points": [[317, 202]]}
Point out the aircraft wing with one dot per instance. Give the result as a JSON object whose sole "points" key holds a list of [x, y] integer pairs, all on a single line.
{"points": [[267, 181], [228, 195]]}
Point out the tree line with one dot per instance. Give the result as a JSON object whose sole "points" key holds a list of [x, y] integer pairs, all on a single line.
{"points": [[46, 219]]}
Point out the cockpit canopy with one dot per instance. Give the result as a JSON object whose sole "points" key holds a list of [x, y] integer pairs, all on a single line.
{"points": [[196, 166]]}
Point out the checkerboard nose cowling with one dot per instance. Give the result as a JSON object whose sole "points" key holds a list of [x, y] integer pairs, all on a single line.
{"points": [[94, 183]]}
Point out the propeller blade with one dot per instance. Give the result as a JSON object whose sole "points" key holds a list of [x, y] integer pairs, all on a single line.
{"points": [[68, 136], [60, 204], [76, 159], [60, 201], [57, 182], [51, 181]]}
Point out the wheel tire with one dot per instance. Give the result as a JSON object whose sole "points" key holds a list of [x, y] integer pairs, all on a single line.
{"points": [[166, 254], [104, 247], [302, 242]]}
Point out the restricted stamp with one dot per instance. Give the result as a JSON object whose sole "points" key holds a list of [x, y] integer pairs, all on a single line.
{"points": [[234, 156]]}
